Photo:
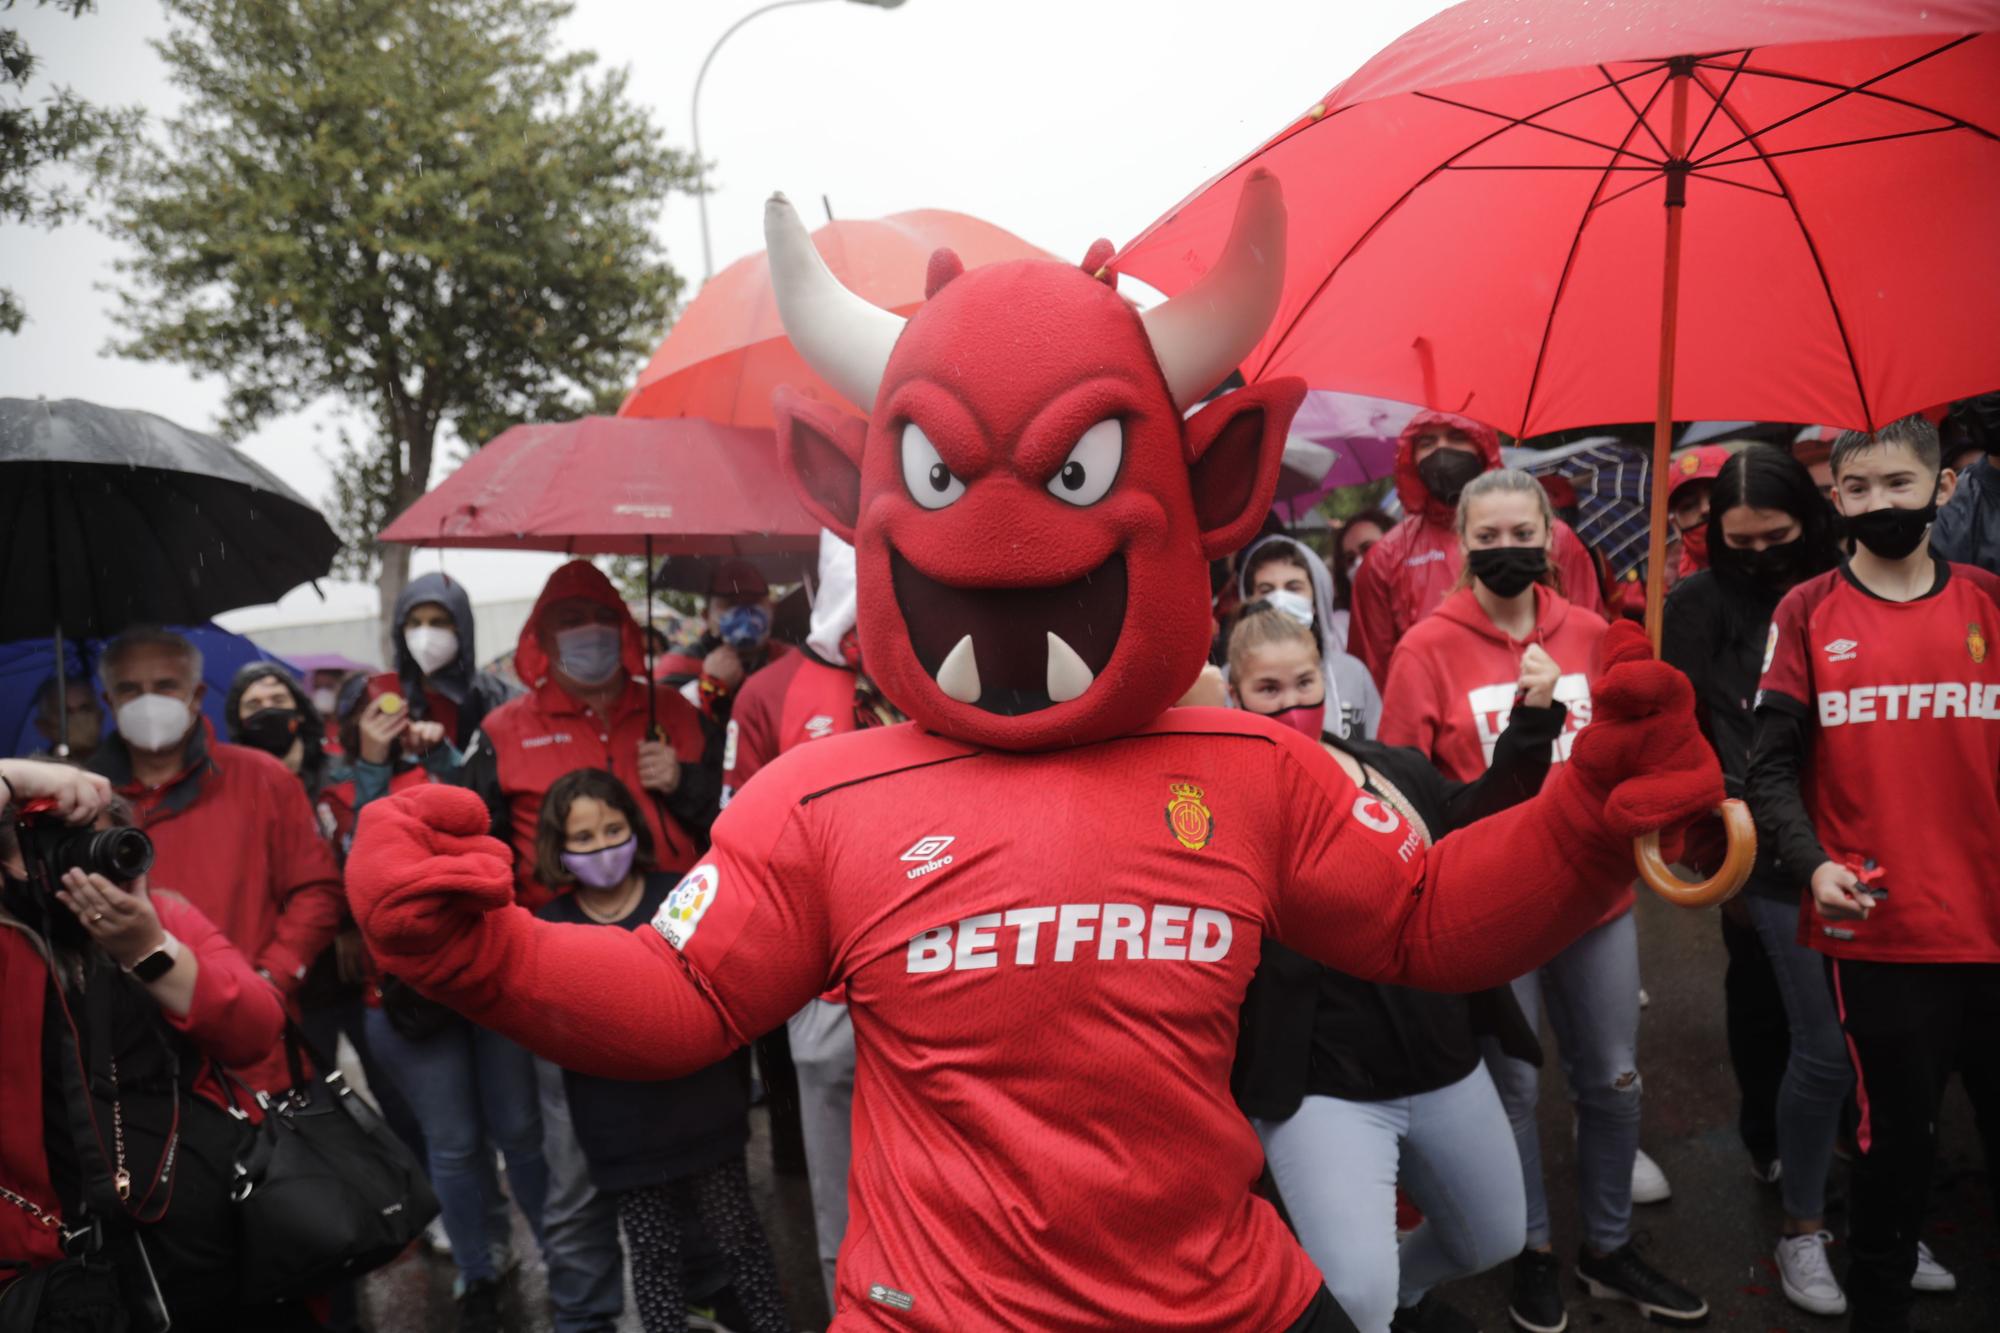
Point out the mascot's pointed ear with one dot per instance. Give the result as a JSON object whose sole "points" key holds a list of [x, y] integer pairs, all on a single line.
{"points": [[819, 447], [1234, 447]]}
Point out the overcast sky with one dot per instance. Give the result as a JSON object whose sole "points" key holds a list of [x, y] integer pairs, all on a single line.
{"points": [[1061, 120]]}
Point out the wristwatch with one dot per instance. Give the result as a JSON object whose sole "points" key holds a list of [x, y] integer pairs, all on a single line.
{"points": [[159, 962]]}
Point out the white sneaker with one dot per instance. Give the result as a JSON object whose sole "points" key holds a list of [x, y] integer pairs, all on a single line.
{"points": [[1931, 1275], [1649, 1183], [1807, 1275], [436, 1239]]}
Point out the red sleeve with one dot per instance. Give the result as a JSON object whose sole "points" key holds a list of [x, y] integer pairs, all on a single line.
{"points": [[751, 741], [1371, 620], [236, 1016], [1579, 571], [433, 894], [1363, 894], [1788, 655], [305, 881], [1410, 712]]}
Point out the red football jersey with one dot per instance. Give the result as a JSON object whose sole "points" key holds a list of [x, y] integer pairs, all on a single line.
{"points": [[1903, 704], [796, 699]]}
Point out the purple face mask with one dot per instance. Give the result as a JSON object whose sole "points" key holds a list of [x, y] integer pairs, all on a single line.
{"points": [[604, 868]]}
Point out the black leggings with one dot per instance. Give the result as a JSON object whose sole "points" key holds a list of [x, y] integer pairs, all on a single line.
{"points": [[1324, 1315], [657, 1220]]}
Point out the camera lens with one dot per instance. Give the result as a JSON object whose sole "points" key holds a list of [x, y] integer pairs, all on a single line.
{"points": [[120, 854]]}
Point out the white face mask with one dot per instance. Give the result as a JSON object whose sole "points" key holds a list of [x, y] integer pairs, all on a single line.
{"points": [[588, 654], [434, 647], [1294, 604], [326, 701], [154, 721]]}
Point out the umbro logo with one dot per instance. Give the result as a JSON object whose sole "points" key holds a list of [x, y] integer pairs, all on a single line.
{"points": [[930, 855], [1840, 650]]}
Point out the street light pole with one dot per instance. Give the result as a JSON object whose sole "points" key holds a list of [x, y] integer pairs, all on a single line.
{"points": [[694, 114]]}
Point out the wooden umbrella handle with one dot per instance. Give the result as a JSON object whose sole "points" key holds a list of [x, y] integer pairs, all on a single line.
{"points": [[1717, 888]]}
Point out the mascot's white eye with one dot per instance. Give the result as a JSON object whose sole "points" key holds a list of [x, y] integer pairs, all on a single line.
{"points": [[1091, 467], [930, 482]]}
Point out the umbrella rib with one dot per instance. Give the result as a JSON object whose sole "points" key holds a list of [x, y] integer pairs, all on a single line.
{"points": [[1715, 106], [1528, 123], [1569, 260], [1638, 115], [1861, 89], [1844, 143], [1739, 185], [1812, 248], [1334, 270], [1610, 199]]}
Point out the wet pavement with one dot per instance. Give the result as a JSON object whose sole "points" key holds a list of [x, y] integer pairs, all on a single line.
{"points": [[1714, 1235]]}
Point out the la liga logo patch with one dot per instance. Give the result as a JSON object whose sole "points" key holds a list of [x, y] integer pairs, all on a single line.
{"points": [[1187, 818], [687, 904]]}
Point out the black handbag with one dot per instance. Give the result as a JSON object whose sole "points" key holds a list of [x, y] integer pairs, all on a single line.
{"points": [[324, 1191]]}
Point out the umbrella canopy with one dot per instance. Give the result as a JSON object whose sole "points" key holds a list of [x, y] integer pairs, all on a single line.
{"points": [[1477, 217], [614, 486], [1612, 480], [110, 517], [728, 351], [1359, 434]]}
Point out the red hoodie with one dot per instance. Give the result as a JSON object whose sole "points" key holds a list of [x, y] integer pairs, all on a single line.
{"points": [[1452, 682], [1412, 569], [539, 736]]}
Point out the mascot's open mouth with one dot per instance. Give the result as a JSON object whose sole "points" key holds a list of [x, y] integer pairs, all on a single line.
{"points": [[1013, 650]]}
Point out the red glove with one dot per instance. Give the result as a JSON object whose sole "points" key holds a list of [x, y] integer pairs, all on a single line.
{"points": [[422, 872], [1642, 752]]}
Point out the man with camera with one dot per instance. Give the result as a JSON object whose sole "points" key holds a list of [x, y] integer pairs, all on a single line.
{"points": [[116, 1004], [231, 827]]}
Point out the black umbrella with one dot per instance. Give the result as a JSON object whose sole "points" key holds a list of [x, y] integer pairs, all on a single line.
{"points": [[111, 517]]}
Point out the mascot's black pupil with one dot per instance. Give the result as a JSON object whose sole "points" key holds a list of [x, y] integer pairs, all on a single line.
{"points": [[940, 477], [1072, 476]]}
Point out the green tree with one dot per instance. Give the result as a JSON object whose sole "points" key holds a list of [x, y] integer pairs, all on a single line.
{"points": [[63, 128], [418, 208]]}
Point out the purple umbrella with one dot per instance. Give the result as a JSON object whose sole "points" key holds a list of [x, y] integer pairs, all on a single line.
{"points": [[1360, 432]]}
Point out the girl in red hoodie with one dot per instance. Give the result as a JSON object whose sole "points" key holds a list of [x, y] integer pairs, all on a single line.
{"points": [[1506, 636]]}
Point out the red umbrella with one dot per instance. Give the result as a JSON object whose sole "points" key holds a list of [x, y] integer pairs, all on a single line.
{"points": [[1515, 209], [609, 486], [728, 351]]}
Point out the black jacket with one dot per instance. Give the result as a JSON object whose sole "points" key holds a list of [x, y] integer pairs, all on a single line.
{"points": [[637, 1134], [1716, 631], [1968, 526], [475, 692], [1308, 1029]]}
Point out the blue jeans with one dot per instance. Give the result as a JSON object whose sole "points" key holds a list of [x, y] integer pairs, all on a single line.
{"points": [[1337, 1165], [1818, 1075], [472, 1090], [1591, 991], [586, 1265]]}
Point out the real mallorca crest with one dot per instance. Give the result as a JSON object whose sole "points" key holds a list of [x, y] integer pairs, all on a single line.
{"points": [[1187, 818], [686, 905], [1975, 642]]}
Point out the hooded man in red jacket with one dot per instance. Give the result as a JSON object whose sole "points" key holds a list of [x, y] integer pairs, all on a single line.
{"points": [[1413, 569], [1044, 895], [582, 658]]}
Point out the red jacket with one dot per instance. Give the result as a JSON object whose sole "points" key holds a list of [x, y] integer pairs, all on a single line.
{"points": [[1452, 682], [1412, 569], [531, 740], [796, 699], [236, 834], [236, 1017]]}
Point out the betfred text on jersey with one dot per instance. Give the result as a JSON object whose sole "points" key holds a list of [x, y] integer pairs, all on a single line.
{"points": [[1104, 931], [1909, 703]]}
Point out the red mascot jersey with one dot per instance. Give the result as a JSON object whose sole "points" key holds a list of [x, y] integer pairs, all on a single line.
{"points": [[1045, 955], [1902, 701]]}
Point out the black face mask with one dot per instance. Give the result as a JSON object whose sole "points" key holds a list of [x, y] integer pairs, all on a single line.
{"points": [[271, 730], [1446, 472], [1893, 533], [1776, 566], [1507, 570]]}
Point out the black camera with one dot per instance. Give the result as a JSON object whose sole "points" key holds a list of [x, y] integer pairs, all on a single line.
{"points": [[55, 848]]}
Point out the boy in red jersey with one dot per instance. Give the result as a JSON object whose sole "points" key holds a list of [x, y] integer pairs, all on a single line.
{"points": [[1876, 775]]}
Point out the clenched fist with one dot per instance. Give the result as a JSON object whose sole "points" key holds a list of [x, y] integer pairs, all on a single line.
{"points": [[1642, 753], [423, 870]]}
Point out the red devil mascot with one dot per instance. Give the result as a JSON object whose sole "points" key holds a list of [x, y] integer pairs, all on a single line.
{"points": [[1045, 894]]}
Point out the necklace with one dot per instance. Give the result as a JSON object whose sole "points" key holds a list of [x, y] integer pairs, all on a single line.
{"points": [[625, 906]]}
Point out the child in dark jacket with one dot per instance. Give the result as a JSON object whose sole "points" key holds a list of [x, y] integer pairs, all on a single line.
{"points": [[671, 1151]]}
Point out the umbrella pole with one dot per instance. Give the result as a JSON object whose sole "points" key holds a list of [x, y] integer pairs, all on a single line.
{"points": [[1670, 300], [62, 696], [652, 695]]}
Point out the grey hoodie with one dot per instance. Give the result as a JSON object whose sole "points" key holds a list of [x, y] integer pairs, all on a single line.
{"points": [[1353, 704]]}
